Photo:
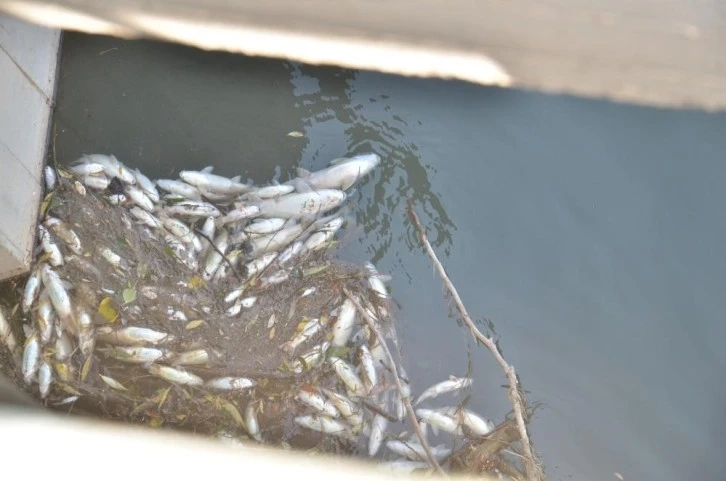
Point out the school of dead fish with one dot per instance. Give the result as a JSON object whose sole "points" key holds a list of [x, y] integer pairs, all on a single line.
{"points": [[259, 230]]}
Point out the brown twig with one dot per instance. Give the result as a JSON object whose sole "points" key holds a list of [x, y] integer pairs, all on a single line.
{"points": [[534, 473], [392, 365]]}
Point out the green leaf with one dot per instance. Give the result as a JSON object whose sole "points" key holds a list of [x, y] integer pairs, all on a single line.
{"points": [[194, 324], [232, 410], [129, 295], [113, 383]]}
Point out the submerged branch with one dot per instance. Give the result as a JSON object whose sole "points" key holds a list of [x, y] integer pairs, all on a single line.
{"points": [[534, 472], [392, 364]]}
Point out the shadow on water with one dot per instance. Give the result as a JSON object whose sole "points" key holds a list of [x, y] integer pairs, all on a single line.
{"points": [[591, 233]]}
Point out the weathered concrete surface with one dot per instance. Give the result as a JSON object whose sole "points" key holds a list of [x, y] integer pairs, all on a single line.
{"points": [[28, 59], [641, 51]]}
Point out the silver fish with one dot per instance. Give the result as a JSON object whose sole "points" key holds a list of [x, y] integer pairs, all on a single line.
{"points": [[224, 268], [44, 318], [378, 430], [49, 247], [31, 357], [175, 375], [344, 325], [230, 383], [208, 230], [240, 212], [193, 208], [134, 355], [347, 375], [451, 384], [270, 191], [58, 295], [88, 168], [403, 466], [32, 289], [139, 198], [438, 420], [343, 174], [145, 217], [310, 329], [179, 188], [191, 358], [302, 204], [311, 359], [259, 264], [273, 242], [323, 424], [414, 451], [64, 233], [45, 378], [214, 258], [314, 399], [98, 182], [132, 336], [374, 280], [213, 182], [265, 226], [253, 427], [50, 178], [63, 347], [112, 167], [350, 411], [291, 251], [110, 256], [146, 185], [368, 369]]}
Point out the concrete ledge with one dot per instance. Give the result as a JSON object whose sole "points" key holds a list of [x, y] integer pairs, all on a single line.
{"points": [[28, 64]]}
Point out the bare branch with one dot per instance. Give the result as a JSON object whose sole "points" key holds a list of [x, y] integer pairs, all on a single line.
{"points": [[392, 364], [534, 472]]}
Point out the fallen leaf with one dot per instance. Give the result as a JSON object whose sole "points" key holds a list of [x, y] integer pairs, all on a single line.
{"points": [[234, 412], [113, 383], [129, 295], [163, 396], [156, 422], [271, 321], [86, 368], [315, 270], [108, 310], [196, 282], [194, 324], [272, 333]]}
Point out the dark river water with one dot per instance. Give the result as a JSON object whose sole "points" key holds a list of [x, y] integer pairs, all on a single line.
{"points": [[592, 235]]}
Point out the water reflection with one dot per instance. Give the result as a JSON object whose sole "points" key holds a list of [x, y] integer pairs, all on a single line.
{"points": [[341, 120]]}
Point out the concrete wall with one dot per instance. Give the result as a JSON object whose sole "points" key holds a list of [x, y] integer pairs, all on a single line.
{"points": [[28, 60]]}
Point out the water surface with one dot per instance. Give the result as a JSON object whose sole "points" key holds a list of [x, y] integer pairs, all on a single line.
{"points": [[591, 234]]}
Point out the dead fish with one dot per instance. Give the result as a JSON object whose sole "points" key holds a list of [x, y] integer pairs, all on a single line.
{"points": [[230, 383], [193, 208], [135, 355], [347, 375], [403, 466], [345, 323], [214, 258], [323, 424], [110, 256], [146, 185], [31, 357], [175, 375], [213, 182], [265, 226], [86, 332], [375, 281], [58, 295], [269, 191], [343, 174], [139, 198], [98, 182], [50, 178], [179, 188], [45, 378], [112, 167], [259, 264], [31, 291], [239, 213], [414, 451], [272, 242], [438, 420], [451, 384], [251, 423], [302, 204], [313, 398], [132, 336], [350, 411], [378, 430], [311, 359], [145, 217], [367, 368], [49, 247], [61, 230], [310, 329], [191, 358]]}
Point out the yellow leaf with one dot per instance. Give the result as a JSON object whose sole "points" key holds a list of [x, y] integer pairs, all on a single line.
{"points": [[86, 368], [272, 333], [46, 203], [63, 371], [156, 422], [181, 417], [163, 396], [113, 383], [194, 324], [195, 282], [69, 389], [301, 325], [315, 270], [232, 410], [64, 174], [108, 310]]}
